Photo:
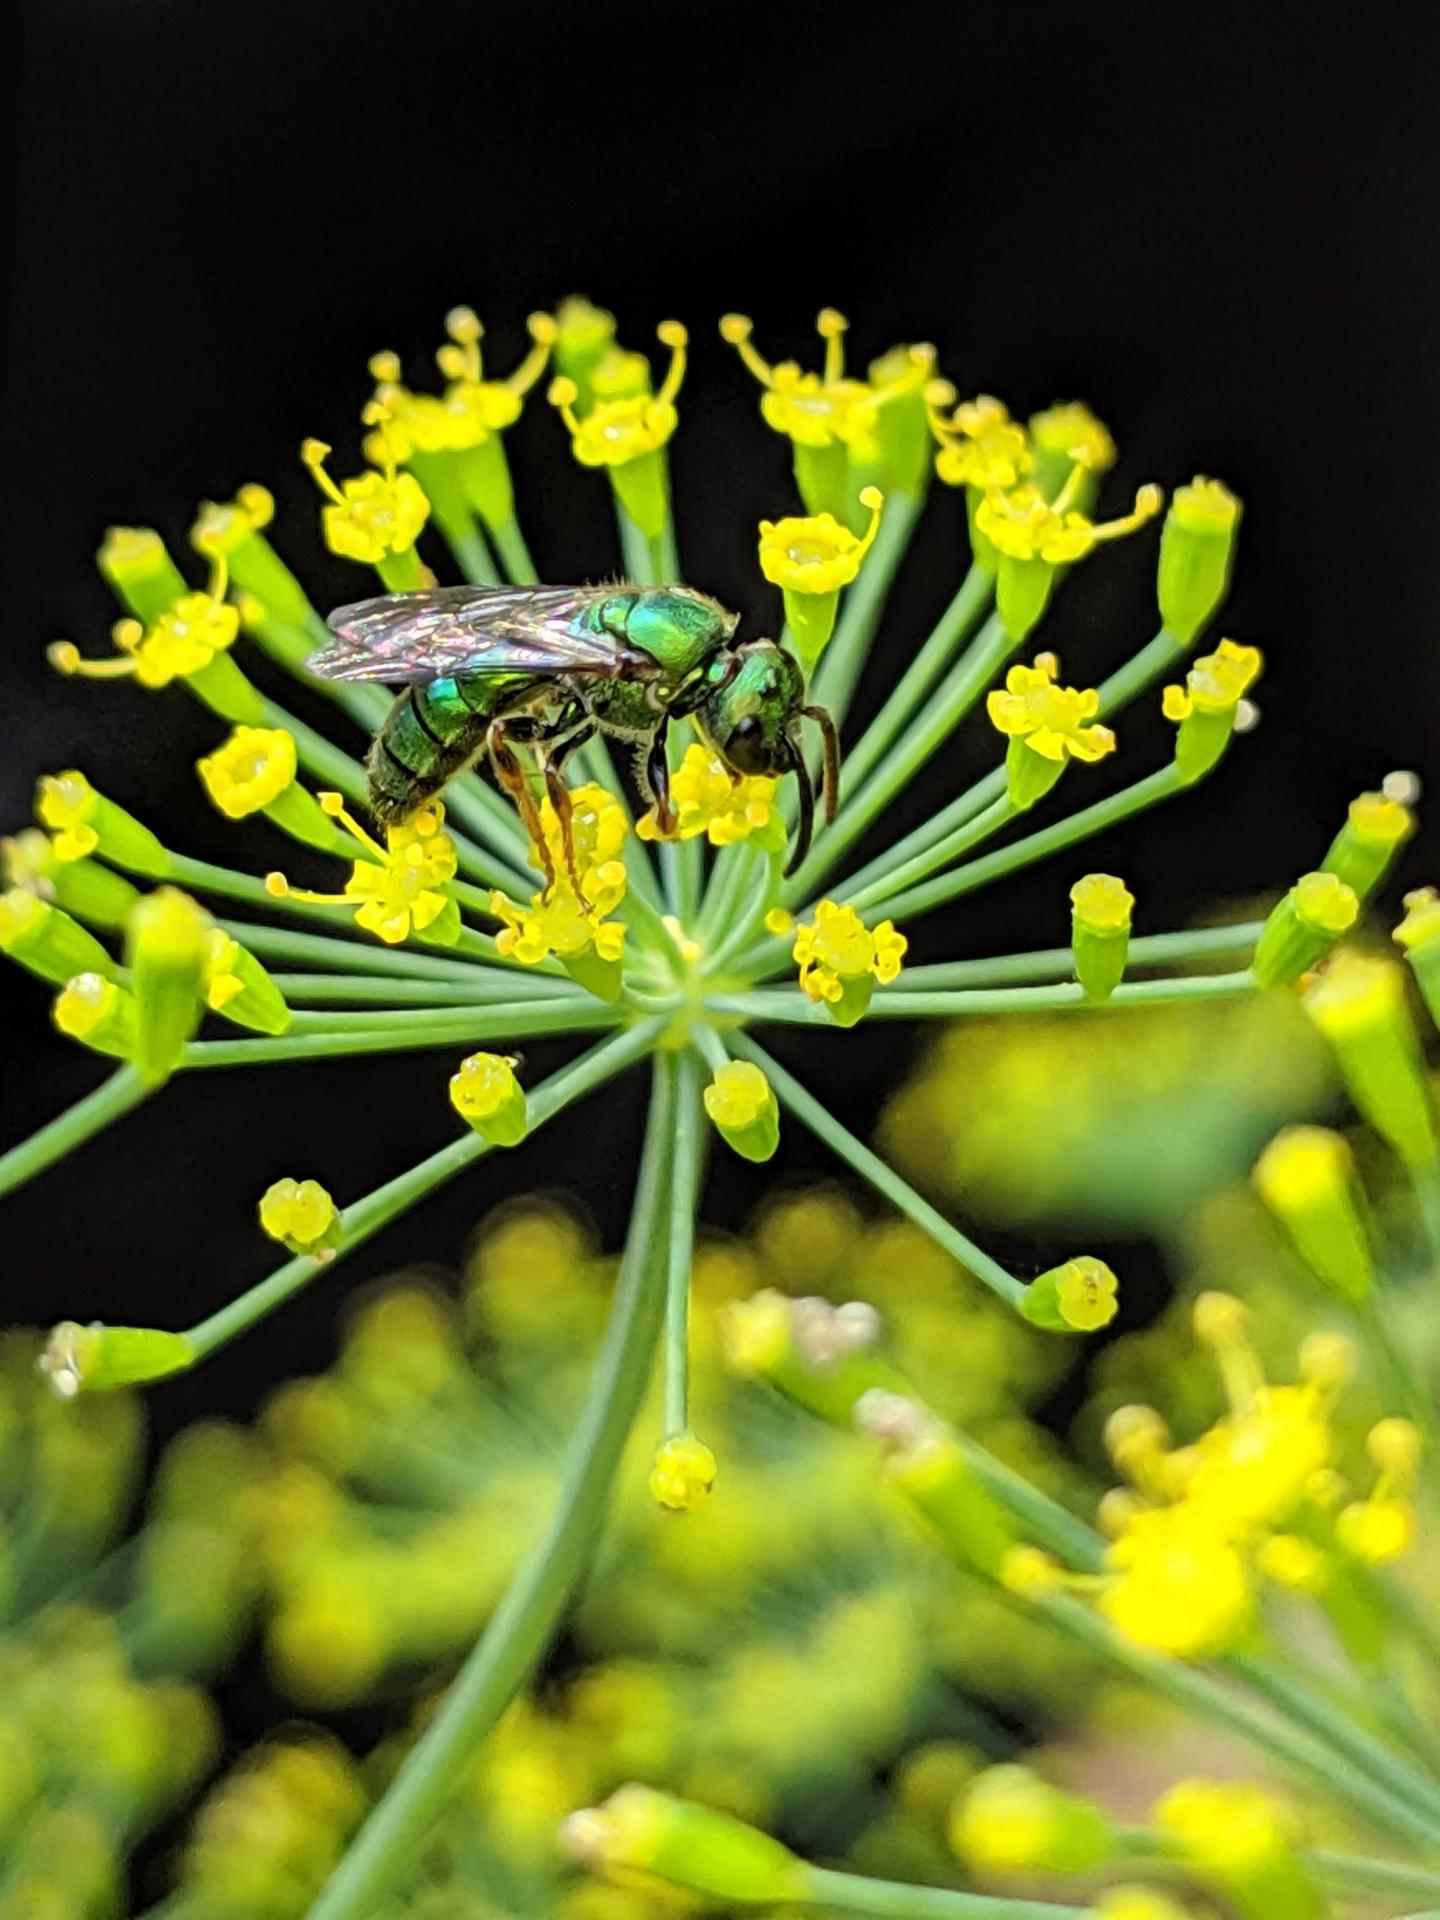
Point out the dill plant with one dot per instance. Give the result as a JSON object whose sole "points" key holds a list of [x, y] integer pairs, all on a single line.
{"points": [[435, 935]]}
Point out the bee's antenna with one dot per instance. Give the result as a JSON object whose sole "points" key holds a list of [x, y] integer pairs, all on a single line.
{"points": [[832, 759], [806, 826]]}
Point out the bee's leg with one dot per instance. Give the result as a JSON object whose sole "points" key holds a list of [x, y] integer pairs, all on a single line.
{"points": [[551, 761], [657, 778], [511, 776]]}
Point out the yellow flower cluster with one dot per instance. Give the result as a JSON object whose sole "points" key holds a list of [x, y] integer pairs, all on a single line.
{"points": [[1256, 1496], [707, 798], [560, 920], [1056, 722], [980, 445], [397, 888]]}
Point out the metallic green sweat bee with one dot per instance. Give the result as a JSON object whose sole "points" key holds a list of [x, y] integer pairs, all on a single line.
{"points": [[487, 669]]}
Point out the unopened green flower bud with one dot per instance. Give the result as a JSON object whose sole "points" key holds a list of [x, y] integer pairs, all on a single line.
{"points": [[237, 986], [1303, 927], [1022, 593], [1029, 775], [144, 578], [168, 949], [1197, 546], [1362, 853], [87, 1359], [98, 1013], [1306, 1177], [1206, 706], [489, 1099], [1359, 1006], [46, 941], [1418, 936], [83, 821], [741, 1104], [640, 1831], [1077, 1297], [1101, 907], [584, 335], [1009, 1820], [301, 1215], [818, 1355], [82, 887], [926, 1464]]}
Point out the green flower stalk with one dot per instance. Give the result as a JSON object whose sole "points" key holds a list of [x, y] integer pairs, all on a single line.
{"points": [[664, 935]]}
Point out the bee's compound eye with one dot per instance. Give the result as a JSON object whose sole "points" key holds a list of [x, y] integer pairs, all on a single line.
{"points": [[745, 750]]}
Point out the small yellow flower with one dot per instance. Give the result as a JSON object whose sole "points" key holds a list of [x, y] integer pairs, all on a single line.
{"points": [[222, 982], [683, 1472], [1215, 684], [298, 1212], [489, 1098], [249, 770], [221, 526], [813, 553], [1177, 1588], [1230, 1828], [1085, 1293], [373, 516], [980, 445], [1031, 1573], [618, 430], [397, 887], [812, 409], [183, 640], [1102, 902], [1055, 722], [471, 409], [738, 1095], [707, 798], [1024, 525], [837, 948], [66, 803], [1069, 431]]}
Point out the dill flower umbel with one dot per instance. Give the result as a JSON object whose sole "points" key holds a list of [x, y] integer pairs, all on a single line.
{"points": [[484, 913]]}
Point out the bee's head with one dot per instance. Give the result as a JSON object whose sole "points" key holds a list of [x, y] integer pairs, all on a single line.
{"points": [[751, 714]]}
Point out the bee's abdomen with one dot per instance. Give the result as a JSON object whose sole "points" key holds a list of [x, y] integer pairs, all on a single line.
{"points": [[429, 735]]}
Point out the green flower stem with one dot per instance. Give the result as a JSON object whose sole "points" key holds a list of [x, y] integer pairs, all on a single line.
{"points": [[844, 656], [365, 955], [112, 1098], [202, 876], [534, 1603], [971, 598], [856, 1155], [1331, 1723], [405, 1029], [1200, 1693], [1158, 655], [862, 892], [1150, 950], [976, 669], [899, 1900], [731, 878], [375, 1210], [688, 1140], [1035, 846], [1401, 1388], [1353, 1872], [472, 556], [749, 915], [786, 1005], [1142, 670], [380, 990], [509, 543]]}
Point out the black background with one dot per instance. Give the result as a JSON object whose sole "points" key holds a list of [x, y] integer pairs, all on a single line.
{"points": [[1221, 233]]}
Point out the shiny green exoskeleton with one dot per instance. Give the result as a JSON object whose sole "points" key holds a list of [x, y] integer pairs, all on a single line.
{"points": [[487, 670]]}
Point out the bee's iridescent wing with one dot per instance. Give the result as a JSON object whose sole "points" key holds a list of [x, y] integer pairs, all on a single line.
{"points": [[400, 638]]}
